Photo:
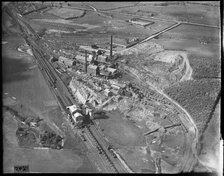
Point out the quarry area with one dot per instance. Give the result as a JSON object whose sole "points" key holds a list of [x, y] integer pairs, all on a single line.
{"points": [[111, 87]]}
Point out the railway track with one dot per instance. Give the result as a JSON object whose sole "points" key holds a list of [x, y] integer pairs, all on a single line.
{"points": [[101, 150], [66, 102], [67, 99]]}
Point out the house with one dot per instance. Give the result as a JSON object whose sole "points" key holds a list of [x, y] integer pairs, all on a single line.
{"points": [[65, 61]]}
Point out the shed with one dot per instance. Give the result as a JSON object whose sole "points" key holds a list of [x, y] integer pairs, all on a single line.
{"points": [[93, 69], [111, 70], [115, 83], [108, 93], [115, 86], [115, 91], [65, 61]]}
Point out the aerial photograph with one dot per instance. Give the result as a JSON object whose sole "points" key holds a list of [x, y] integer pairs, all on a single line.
{"points": [[111, 87]]}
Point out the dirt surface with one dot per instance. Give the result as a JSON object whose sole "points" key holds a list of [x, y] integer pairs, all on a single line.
{"points": [[121, 132]]}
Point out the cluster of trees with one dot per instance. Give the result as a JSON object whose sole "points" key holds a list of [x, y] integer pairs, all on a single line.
{"points": [[195, 97], [52, 140], [205, 67]]}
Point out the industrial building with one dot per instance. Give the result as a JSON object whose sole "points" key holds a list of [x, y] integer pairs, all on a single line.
{"points": [[102, 58], [81, 58], [89, 49], [66, 62], [93, 70]]}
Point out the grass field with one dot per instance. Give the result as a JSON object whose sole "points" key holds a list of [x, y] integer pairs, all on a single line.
{"points": [[66, 12], [190, 12]]}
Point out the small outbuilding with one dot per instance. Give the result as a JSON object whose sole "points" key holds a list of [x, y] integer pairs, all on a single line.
{"points": [[108, 93], [112, 71]]}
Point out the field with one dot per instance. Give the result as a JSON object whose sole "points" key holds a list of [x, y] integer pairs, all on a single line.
{"points": [[178, 11], [111, 5], [66, 13]]}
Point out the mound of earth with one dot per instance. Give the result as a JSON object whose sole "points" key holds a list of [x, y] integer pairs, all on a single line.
{"points": [[156, 66]]}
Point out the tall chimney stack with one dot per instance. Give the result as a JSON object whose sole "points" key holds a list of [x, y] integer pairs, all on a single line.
{"points": [[86, 61], [111, 46]]}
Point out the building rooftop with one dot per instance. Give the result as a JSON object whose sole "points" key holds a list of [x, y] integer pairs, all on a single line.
{"points": [[82, 58], [112, 70], [92, 66]]}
